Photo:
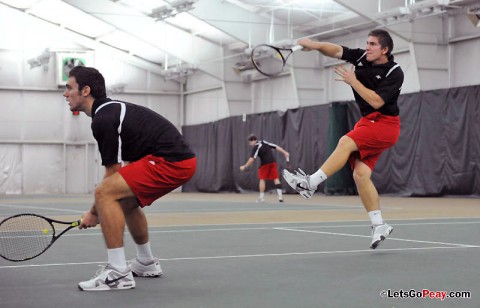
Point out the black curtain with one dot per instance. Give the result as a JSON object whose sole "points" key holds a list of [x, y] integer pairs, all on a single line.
{"points": [[438, 152], [221, 147]]}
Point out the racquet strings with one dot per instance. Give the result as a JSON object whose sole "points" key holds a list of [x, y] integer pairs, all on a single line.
{"points": [[24, 237], [268, 60]]}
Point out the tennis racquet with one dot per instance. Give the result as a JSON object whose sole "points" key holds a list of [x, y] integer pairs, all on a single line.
{"points": [[270, 60], [26, 236]]}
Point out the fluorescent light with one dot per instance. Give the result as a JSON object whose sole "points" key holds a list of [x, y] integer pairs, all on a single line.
{"points": [[172, 9], [20, 4], [134, 46], [70, 17], [144, 6], [192, 24]]}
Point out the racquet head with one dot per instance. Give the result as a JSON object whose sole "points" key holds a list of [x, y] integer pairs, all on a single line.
{"points": [[270, 60], [26, 236]]}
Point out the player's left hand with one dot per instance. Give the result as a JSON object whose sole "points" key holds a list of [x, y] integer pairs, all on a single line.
{"points": [[347, 76]]}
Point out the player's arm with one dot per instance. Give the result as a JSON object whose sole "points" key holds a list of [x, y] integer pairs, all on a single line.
{"points": [[285, 153], [328, 49], [348, 76], [370, 96], [247, 164]]}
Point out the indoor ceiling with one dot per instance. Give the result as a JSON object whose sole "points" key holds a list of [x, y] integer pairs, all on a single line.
{"points": [[167, 35]]}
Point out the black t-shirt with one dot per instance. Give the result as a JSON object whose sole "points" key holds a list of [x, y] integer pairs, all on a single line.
{"points": [[263, 149], [385, 79], [128, 132]]}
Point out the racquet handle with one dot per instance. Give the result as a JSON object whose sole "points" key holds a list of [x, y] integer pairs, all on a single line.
{"points": [[297, 47]]}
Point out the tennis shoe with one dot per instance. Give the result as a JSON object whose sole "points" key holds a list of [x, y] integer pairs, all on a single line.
{"points": [[145, 269], [108, 278], [260, 200], [379, 234], [300, 182]]}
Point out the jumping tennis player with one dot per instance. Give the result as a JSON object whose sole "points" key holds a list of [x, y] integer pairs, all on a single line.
{"points": [[376, 81]]}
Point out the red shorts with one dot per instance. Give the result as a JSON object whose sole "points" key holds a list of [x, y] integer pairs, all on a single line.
{"points": [[153, 177], [268, 171], [373, 134]]}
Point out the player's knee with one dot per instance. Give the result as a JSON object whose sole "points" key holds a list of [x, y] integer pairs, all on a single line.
{"points": [[101, 194], [360, 175], [346, 143]]}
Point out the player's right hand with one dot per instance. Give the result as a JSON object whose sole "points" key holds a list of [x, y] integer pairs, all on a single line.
{"points": [[88, 220]]}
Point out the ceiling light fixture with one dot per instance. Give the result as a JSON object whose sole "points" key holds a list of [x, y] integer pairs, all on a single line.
{"points": [[474, 16], [172, 9], [41, 61], [179, 73]]}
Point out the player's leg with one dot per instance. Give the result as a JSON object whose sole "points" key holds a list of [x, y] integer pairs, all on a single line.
{"points": [[368, 194], [261, 189], [144, 264], [110, 212], [278, 188], [136, 220], [366, 189], [336, 160], [307, 184], [116, 274]]}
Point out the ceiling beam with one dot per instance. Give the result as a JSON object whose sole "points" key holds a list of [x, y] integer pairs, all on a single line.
{"points": [[242, 24], [76, 38], [369, 9], [188, 48]]}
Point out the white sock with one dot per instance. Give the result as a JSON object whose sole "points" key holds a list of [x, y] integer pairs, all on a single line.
{"points": [[262, 195], [375, 217], [317, 178], [144, 252], [279, 193], [116, 258]]}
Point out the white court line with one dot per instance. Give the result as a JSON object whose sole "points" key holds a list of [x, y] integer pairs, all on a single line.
{"points": [[368, 236], [332, 222], [370, 251], [39, 208], [272, 228], [305, 227], [250, 209]]}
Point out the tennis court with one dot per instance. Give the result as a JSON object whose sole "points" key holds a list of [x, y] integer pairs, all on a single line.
{"points": [[224, 250]]}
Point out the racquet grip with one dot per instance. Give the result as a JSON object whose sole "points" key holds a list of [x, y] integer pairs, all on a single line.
{"points": [[297, 47]]}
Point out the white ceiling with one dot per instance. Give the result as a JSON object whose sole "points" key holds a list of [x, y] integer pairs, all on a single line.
{"points": [[212, 29]]}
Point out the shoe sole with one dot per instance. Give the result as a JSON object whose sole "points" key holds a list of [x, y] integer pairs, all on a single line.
{"points": [[148, 275], [286, 176], [304, 194], [382, 238], [105, 287]]}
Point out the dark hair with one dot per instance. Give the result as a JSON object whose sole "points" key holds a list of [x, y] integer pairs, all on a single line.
{"points": [[252, 137], [89, 76], [384, 39]]}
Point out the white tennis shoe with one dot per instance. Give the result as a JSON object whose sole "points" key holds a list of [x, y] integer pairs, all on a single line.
{"points": [[379, 234], [145, 269], [108, 278], [300, 182], [260, 200]]}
